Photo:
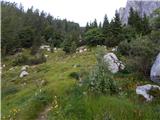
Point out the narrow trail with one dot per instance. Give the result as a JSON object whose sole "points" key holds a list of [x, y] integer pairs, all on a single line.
{"points": [[43, 114]]}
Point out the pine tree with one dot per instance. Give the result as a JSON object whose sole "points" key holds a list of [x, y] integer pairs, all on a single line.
{"points": [[100, 25], [146, 27], [87, 27], [95, 24], [131, 17], [105, 25], [115, 33]]}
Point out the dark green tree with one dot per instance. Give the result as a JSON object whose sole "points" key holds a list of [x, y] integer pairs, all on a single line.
{"points": [[115, 32], [105, 25]]}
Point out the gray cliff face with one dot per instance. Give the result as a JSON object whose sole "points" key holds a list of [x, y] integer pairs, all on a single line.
{"points": [[142, 6]]}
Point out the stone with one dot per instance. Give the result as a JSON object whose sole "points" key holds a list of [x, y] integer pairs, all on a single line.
{"points": [[155, 70], [46, 56], [114, 49], [48, 49], [113, 63], [3, 65], [85, 49], [44, 46], [143, 90], [25, 67], [55, 48], [80, 51], [43, 82], [23, 74], [141, 6]]}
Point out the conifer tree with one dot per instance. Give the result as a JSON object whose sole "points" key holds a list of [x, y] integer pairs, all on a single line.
{"points": [[105, 25]]}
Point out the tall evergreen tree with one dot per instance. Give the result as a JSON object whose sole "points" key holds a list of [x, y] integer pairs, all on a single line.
{"points": [[95, 24], [105, 25], [146, 27], [131, 17], [115, 34]]}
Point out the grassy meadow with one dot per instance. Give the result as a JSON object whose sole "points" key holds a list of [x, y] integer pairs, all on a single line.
{"points": [[25, 98]]}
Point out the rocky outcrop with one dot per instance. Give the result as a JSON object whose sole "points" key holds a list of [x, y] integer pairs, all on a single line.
{"points": [[142, 6], [113, 63], [155, 70]]}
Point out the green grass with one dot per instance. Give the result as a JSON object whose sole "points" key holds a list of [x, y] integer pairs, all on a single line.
{"points": [[25, 102]]}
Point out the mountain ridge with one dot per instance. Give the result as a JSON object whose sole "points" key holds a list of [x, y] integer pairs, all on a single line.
{"points": [[141, 6]]}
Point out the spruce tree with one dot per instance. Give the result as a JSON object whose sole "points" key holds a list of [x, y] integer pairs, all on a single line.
{"points": [[145, 23], [105, 25], [115, 33]]}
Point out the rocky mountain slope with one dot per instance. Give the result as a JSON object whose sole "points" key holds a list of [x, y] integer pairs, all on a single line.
{"points": [[142, 6]]}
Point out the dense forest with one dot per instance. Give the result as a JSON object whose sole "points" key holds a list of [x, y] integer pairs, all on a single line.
{"points": [[73, 80], [32, 28]]}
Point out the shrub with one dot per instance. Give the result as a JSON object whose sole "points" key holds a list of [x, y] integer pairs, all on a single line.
{"points": [[141, 53], [100, 79], [124, 47], [75, 75], [29, 60], [38, 59], [9, 90], [20, 60]]}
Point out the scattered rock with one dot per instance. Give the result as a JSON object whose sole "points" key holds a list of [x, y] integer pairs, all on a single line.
{"points": [[115, 49], [46, 56], [48, 49], [55, 48], [143, 90], [25, 67], [85, 49], [43, 82], [3, 65], [23, 74], [45, 47], [76, 65], [114, 65], [155, 70], [81, 49]]}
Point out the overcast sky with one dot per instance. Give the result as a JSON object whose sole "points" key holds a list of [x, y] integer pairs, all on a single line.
{"points": [[80, 11]]}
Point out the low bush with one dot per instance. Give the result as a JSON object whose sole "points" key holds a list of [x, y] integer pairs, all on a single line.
{"points": [[100, 79], [75, 75], [29, 60], [20, 60], [9, 90]]}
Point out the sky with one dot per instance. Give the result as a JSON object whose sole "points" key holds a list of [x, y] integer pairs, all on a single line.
{"points": [[79, 11]]}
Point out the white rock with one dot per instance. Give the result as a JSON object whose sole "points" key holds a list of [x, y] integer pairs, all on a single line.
{"points": [[25, 67], [155, 70], [80, 51], [44, 46], [48, 49], [142, 90], [46, 56], [85, 49], [55, 48], [114, 65], [23, 74], [114, 49], [11, 69]]}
